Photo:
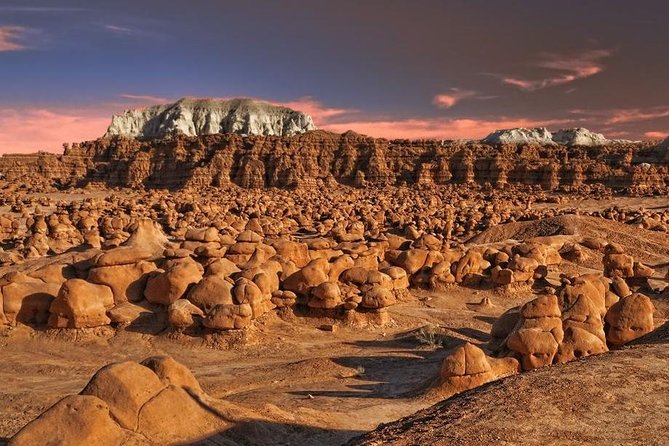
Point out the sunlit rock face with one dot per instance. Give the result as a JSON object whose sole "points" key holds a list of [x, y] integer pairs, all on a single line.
{"points": [[195, 117], [579, 137], [542, 136], [519, 136]]}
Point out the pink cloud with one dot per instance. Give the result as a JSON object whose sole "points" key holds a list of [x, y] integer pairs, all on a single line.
{"points": [[25, 131], [635, 115], [656, 135], [626, 115], [10, 37], [569, 69], [29, 130], [439, 128], [306, 104], [315, 109], [455, 95], [146, 98]]}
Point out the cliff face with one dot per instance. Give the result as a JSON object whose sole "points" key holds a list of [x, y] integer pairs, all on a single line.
{"points": [[319, 158], [193, 117]]}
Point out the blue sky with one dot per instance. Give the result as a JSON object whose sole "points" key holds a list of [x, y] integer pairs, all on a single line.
{"points": [[433, 68]]}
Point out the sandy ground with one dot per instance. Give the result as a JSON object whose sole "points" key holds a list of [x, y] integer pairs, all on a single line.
{"points": [[618, 398], [322, 387]]}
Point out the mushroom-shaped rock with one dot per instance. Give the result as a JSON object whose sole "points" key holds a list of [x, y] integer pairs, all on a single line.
{"points": [[166, 287], [228, 317], [81, 304], [467, 366], [628, 319], [181, 314], [211, 291], [378, 297], [301, 282], [127, 282], [538, 332], [326, 295]]}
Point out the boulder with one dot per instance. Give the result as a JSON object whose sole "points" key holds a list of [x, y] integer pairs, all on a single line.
{"points": [[467, 367], [301, 282], [326, 295], [378, 297], [164, 288], [81, 304], [127, 282], [212, 290], [538, 332], [181, 314], [74, 420], [629, 319], [27, 300], [228, 317], [125, 387]]}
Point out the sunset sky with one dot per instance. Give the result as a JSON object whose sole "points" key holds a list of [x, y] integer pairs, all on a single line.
{"points": [[387, 68]]}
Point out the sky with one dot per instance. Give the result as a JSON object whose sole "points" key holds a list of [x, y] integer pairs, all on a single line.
{"points": [[387, 68]]}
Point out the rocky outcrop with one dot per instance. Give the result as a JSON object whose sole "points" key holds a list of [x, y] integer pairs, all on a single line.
{"points": [[193, 117], [320, 158], [542, 136], [157, 401], [579, 137], [520, 136]]}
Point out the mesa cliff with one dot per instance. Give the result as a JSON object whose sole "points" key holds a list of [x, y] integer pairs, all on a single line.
{"points": [[319, 158]]}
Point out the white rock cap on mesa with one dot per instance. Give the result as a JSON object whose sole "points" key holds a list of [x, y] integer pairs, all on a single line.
{"points": [[193, 117], [568, 137]]}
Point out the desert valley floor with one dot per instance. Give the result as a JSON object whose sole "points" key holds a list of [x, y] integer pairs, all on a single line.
{"points": [[299, 375]]}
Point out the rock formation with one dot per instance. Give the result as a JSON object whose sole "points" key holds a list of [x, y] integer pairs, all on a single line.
{"points": [[519, 136], [579, 137], [157, 401], [315, 158], [192, 117]]}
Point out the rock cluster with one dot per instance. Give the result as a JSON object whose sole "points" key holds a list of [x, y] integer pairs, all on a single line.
{"points": [[584, 318], [157, 401]]}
